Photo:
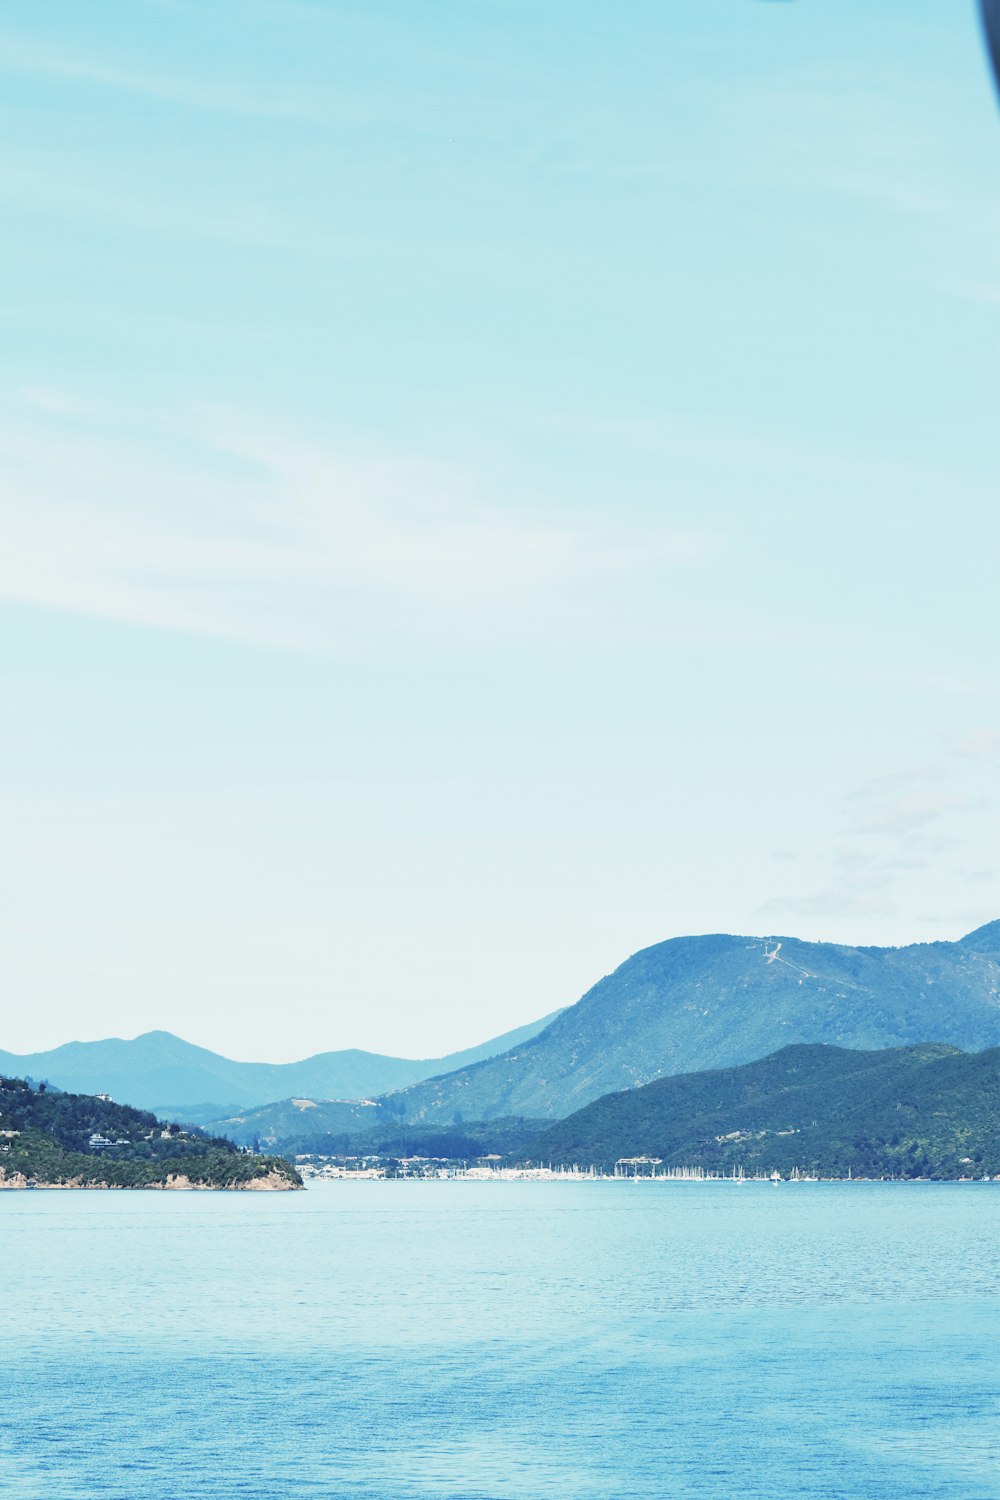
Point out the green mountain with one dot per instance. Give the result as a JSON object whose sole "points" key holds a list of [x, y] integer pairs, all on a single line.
{"points": [[336, 1127], [161, 1072], [452, 1142], [708, 1002], [278, 1126], [52, 1139], [922, 1111]]}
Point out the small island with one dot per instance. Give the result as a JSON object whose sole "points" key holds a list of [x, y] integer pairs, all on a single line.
{"points": [[51, 1139]]}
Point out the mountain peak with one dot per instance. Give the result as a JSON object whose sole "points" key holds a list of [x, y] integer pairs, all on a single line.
{"points": [[719, 1000]]}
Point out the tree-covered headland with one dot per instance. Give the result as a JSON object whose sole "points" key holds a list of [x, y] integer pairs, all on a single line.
{"points": [[53, 1139]]}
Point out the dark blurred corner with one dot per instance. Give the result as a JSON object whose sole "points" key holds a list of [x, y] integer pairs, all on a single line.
{"points": [[990, 12]]}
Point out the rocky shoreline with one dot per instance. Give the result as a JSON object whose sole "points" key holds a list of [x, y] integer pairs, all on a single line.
{"points": [[271, 1182]]}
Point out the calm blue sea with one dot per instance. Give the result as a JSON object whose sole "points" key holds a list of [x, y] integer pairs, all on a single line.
{"points": [[514, 1340]]}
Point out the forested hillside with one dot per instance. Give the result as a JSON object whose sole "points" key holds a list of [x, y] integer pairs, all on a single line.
{"points": [[923, 1111], [49, 1138]]}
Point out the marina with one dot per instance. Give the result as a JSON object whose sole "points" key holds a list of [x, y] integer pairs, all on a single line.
{"points": [[634, 1169]]}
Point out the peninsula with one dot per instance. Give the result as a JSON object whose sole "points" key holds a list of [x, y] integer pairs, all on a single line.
{"points": [[51, 1139]]}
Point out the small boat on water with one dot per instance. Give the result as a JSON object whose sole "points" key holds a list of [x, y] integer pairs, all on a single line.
{"points": [[776, 1178]]}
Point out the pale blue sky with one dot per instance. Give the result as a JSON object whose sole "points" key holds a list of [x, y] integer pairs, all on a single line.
{"points": [[485, 487]]}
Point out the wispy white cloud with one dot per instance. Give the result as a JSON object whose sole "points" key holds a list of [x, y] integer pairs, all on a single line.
{"points": [[904, 834], [215, 93], [262, 538], [979, 744], [834, 902], [903, 817], [93, 195], [842, 135], [53, 400]]}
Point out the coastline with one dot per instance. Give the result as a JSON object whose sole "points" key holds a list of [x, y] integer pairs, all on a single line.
{"points": [[273, 1182]]}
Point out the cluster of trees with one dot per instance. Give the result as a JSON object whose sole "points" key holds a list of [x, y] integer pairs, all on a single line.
{"points": [[71, 1118]]}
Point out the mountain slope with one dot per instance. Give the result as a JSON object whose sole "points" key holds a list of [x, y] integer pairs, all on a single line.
{"points": [[278, 1125], [708, 1002], [161, 1072], [927, 1110]]}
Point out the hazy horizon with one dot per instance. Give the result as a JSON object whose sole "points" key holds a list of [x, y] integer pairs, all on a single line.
{"points": [[487, 489]]}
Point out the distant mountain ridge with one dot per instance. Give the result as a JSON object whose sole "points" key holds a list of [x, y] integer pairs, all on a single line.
{"points": [[695, 1003], [160, 1072], [682, 1006], [279, 1124], [302, 1126], [927, 1110]]}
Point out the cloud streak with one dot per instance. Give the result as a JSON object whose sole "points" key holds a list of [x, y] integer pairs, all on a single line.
{"points": [[187, 92], [260, 538], [902, 830]]}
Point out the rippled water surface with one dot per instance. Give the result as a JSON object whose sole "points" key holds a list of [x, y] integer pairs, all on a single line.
{"points": [[517, 1340]]}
